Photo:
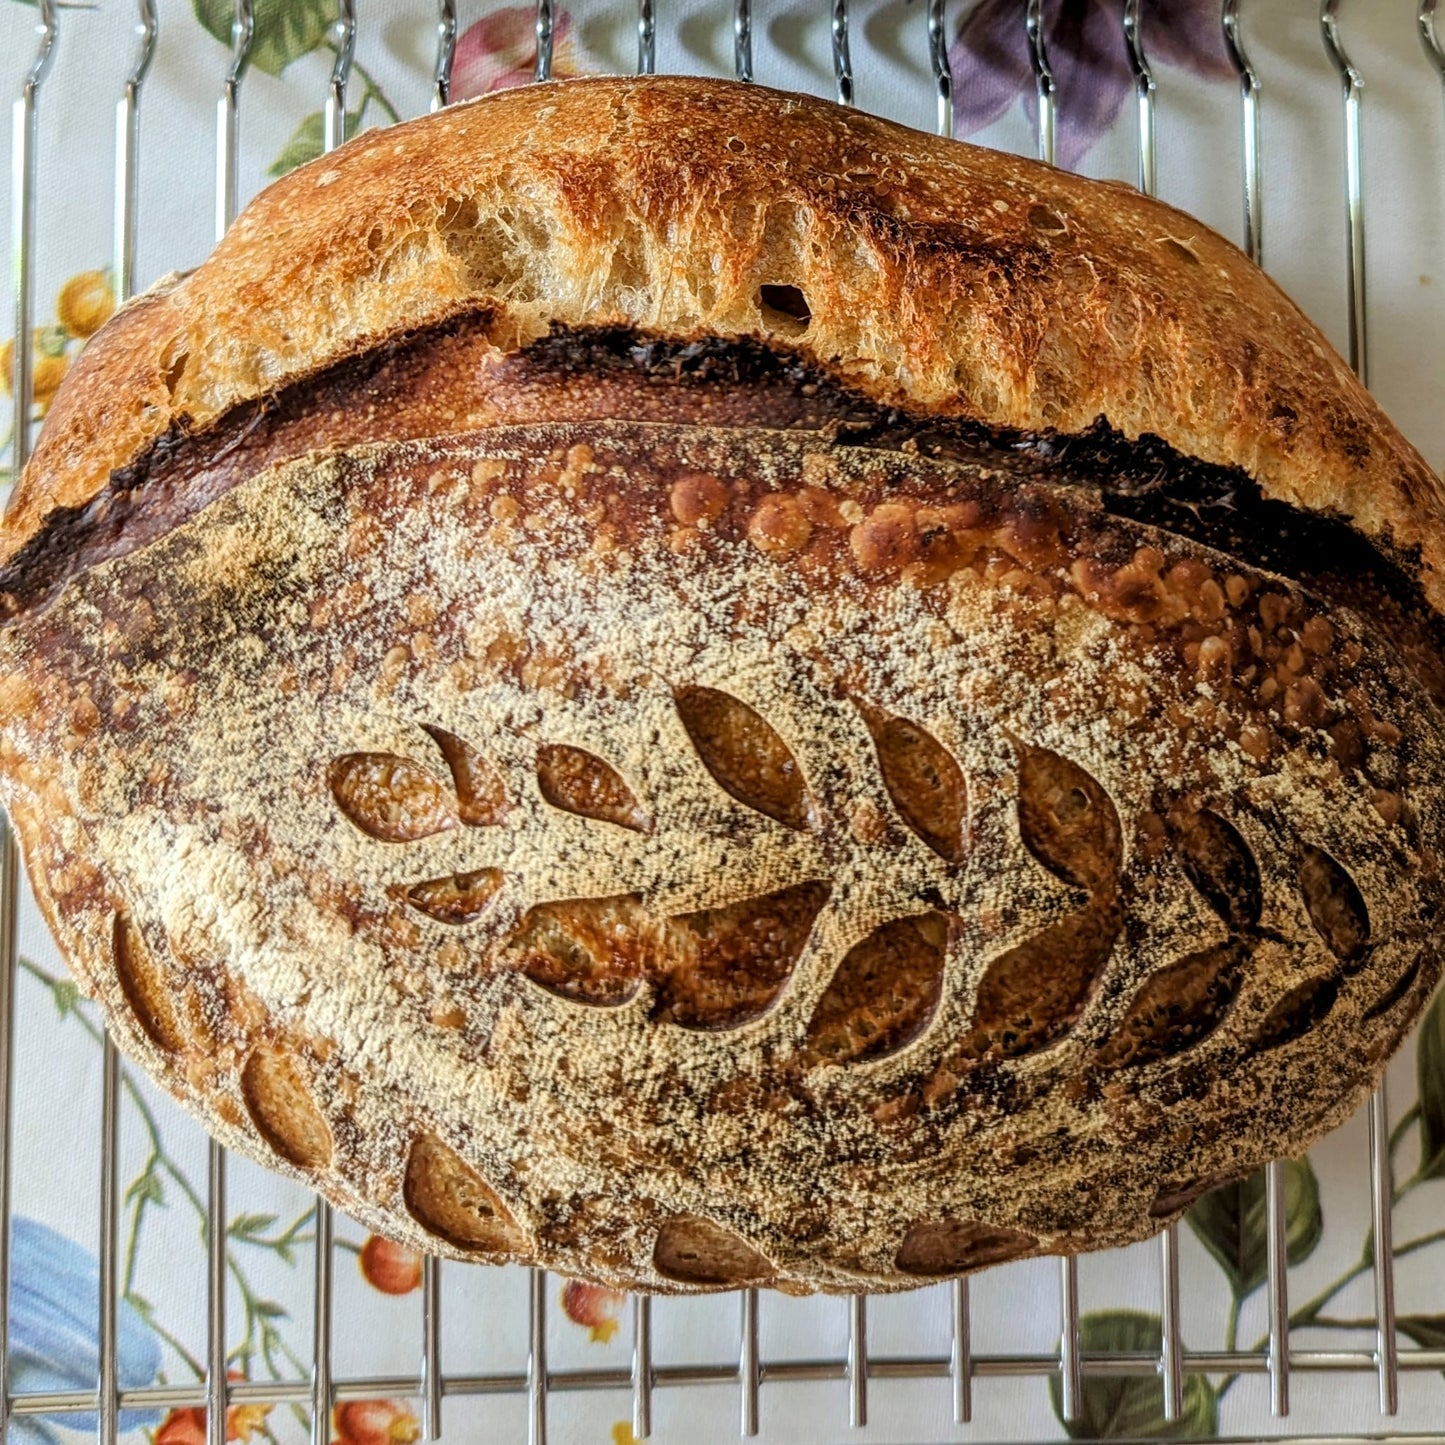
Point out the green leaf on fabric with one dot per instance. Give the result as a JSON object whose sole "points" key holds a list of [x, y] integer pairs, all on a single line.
{"points": [[1132, 1407], [147, 1187], [285, 29], [1232, 1224], [66, 996], [249, 1226], [308, 140], [1430, 1074], [1427, 1331]]}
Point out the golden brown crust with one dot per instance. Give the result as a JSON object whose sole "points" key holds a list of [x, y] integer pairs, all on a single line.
{"points": [[938, 275]]}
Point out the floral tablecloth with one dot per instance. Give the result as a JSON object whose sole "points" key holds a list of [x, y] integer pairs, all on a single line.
{"points": [[1015, 1308]]}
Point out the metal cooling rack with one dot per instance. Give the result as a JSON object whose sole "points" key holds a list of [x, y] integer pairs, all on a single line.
{"points": [[748, 1372]]}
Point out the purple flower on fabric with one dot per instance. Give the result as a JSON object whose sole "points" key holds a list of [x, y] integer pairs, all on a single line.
{"points": [[1088, 55]]}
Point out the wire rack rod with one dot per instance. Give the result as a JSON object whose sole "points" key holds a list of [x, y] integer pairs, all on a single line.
{"points": [[321, 1327], [858, 1361], [431, 1348], [334, 114], [743, 39], [228, 115], [537, 1381], [1277, 1276], [646, 38], [1045, 90], [441, 88], [9, 890], [127, 151], [1249, 97], [939, 63], [216, 1386], [750, 1374], [641, 1366], [1093, 1365], [1144, 89], [842, 59], [545, 28], [1353, 87], [25, 133], [960, 1360]]}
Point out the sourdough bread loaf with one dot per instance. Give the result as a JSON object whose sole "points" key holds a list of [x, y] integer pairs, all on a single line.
{"points": [[689, 686]]}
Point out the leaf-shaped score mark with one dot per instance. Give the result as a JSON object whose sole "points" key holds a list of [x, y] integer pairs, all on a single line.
{"points": [[1219, 864], [1177, 1007], [883, 994], [458, 898], [746, 757], [1335, 905], [1032, 995], [1297, 1012], [481, 793], [924, 781], [1132, 1407], [579, 782], [1029, 997], [714, 969], [390, 797], [1232, 1224], [1430, 1075], [1067, 821]]}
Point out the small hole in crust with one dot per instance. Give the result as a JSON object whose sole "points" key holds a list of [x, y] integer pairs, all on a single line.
{"points": [[784, 309], [1048, 222], [1335, 904], [449, 1199], [283, 1111], [746, 757], [175, 370], [737, 145], [458, 898], [1180, 251], [697, 1251], [391, 798], [953, 1246], [148, 994], [579, 782]]}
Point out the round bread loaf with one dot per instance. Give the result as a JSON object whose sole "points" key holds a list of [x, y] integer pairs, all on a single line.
{"points": [[695, 688]]}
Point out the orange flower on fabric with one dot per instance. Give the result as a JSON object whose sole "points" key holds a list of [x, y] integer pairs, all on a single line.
{"points": [[392, 1268], [85, 303], [595, 1308], [375, 1422], [188, 1427]]}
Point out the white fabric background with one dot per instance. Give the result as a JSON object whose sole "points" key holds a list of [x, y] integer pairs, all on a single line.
{"points": [[1015, 1307]]}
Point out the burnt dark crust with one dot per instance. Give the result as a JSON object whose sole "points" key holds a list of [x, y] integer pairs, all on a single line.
{"points": [[408, 387]]}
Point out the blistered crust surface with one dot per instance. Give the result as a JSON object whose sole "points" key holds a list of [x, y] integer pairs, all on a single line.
{"points": [[926, 273], [688, 858]]}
